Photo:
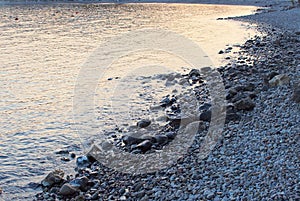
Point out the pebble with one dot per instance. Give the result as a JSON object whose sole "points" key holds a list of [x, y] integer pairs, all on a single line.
{"points": [[143, 123]]}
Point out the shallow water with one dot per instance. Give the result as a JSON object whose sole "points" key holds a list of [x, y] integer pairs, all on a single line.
{"points": [[43, 47]]}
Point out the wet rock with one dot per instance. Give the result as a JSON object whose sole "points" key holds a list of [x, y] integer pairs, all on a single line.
{"points": [[80, 183], [65, 159], [205, 116], [62, 152], [194, 75], [245, 104], [161, 139], [279, 80], [52, 178], [143, 123], [144, 146], [72, 155], [67, 190], [167, 101], [82, 161], [129, 140]]}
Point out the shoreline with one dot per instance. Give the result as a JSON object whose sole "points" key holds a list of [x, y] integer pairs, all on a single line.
{"points": [[256, 159], [230, 135]]}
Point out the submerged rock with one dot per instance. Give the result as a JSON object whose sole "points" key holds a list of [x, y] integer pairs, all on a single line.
{"points": [[52, 178]]}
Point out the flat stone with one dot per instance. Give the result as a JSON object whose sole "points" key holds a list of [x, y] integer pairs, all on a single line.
{"points": [[67, 189]]}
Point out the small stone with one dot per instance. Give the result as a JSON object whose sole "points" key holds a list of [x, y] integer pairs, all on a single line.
{"points": [[143, 123], [72, 155], [52, 178], [62, 152], [144, 146], [245, 104], [279, 80], [65, 159], [221, 52], [67, 189], [82, 161]]}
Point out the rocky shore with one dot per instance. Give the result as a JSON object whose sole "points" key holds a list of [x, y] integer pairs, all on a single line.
{"points": [[257, 157]]}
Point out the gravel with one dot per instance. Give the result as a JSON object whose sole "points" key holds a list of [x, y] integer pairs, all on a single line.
{"points": [[257, 157]]}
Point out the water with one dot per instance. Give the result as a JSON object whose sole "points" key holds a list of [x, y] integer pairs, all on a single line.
{"points": [[42, 48]]}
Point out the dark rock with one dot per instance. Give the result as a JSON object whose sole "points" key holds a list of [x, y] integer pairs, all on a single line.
{"points": [[231, 93], [205, 106], [72, 155], [144, 146], [161, 139], [143, 123], [194, 72], [62, 152], [167, 101], [52, 178], [239, 88], [245, 104], [221, 52], [232, 116], [65, 159], [67, 190], [129, 140], [272, 74], [249, 87], [171, 135], [205, 116]]}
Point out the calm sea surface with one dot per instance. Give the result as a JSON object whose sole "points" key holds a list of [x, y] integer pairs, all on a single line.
{"points": [[43, 47]]}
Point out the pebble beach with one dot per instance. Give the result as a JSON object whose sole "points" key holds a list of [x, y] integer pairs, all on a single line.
{"points": [[255, 158]]}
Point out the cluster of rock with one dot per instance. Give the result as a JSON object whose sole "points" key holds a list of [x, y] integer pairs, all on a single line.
{"points": [[255, 159]]}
